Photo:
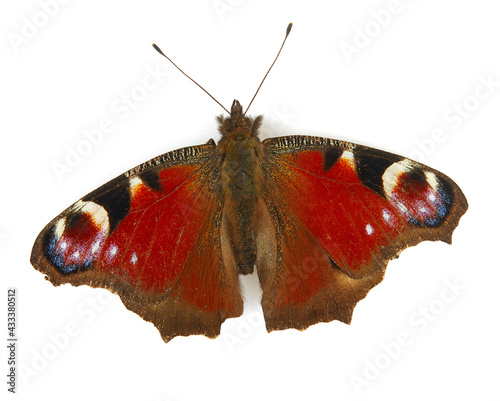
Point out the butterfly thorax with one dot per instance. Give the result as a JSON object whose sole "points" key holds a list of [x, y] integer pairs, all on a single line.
{"points": [[240, 156]]}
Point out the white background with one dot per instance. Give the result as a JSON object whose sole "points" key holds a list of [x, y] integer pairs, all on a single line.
{"points": [[392, 95]]}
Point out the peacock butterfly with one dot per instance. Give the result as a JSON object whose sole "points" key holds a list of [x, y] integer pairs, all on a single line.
{"points": [[171, 235]]}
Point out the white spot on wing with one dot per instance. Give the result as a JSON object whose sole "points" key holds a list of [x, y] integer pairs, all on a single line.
{"points": [[348, 157], [386, 215], [133, 259], [135, 181], [113, 250], [76, 255], [60, 227], [432, 180], [95, 247], [63, 245], [135, 184], [369, 229]]}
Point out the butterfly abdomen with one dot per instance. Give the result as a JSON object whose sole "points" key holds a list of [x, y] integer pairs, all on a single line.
{"points": [[242, 177], [240, 156]]}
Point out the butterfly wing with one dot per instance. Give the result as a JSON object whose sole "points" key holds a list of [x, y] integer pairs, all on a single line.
{"points": [[154, 237], [333, 215]]}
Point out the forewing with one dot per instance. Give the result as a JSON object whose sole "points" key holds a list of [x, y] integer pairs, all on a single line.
{"points": [[347, 210], [153, 236]]}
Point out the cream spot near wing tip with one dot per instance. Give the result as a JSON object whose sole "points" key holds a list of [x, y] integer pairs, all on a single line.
{"points": [[348, 155], [113, 250], [134, 181], [97, 213], [432, 179], [135, 184], [133, 259], [391, 182], [76, 255], [391, 179], [60, 227], [369, 229], [348, 158]]}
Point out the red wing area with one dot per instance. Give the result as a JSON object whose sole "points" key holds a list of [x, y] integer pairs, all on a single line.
{"points": [[300, 284], [345, 217], [349, 210], [153, 237]]}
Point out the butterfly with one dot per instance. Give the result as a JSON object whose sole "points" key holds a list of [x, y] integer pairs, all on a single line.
{"points": [[318, 219]]}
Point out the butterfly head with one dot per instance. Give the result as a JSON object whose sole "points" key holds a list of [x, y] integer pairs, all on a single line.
{"points": [[237, 125]]}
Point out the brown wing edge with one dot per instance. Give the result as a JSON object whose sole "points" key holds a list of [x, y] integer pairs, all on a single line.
{"points": [[443, 232], [164, 309], [337, 300], [90, 277], [175, 317], [168, 312]]}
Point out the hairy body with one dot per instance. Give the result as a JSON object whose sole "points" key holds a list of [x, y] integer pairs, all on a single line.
{"points": [[241, 155]]}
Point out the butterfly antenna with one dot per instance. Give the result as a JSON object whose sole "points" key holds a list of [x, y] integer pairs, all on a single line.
{"points": [[163, 54], [288, 29]]}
